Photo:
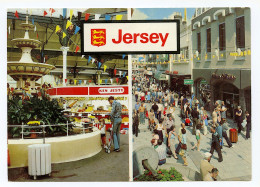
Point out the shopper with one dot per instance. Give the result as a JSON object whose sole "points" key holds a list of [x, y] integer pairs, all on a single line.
{"points": [[205, 166], [155, 109], [116, 120], [215, 144], [159, 128], [223, 111], [161, 150], [195, 118], [198, 137], [142, 114], [224, 133], [212, 176], [183, 152], [135, 122], [239, 115], [171, 143], [248, 124]]}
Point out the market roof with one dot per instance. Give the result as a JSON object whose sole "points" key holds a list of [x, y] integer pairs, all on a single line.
{"points": [[50, 48]]}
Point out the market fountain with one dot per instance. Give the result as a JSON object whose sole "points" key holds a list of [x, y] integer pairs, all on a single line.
{"points": [[26, 70]]}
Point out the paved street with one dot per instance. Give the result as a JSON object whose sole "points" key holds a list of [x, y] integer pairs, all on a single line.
{"points": [[236, 163], [101, 167]]}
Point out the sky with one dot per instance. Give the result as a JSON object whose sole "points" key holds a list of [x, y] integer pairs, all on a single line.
{"points": [[160, 13]]}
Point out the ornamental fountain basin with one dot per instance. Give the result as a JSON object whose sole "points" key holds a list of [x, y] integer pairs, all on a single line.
{"points": [[63, 149]]}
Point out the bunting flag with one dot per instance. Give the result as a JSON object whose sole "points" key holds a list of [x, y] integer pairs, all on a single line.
{"points": [[119, 17], [111, 80], [71, 13], [77, 48], [82, 56], [105, 67], [100, 81], [106, 81], [64, 35], [44, 13], [123, 56], [80, 81], [117, 79], [89, 81], [85, 81], [16, 14], [64, 13], [35, 28], [37, 35], [213, 56], [114, 71], [32, 21], [124, 74], [99, 65], [249, 52], [68, 24], [52, 11], [86, 16], [57, 28], [89, 58], [93, 60], [97, 16], [77, 29], [120, 72], [75, 82], [107, 17], [127, 77]]}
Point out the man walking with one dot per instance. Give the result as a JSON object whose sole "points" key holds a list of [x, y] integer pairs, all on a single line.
{"points": [[195, 117], [116, 121], [215, 144], [239, 118], [205, 166]]}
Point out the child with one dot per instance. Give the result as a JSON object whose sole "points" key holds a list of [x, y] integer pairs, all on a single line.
{"points": [[102, 128], [197, 138]]}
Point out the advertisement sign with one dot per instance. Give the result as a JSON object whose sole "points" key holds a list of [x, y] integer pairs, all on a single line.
{"points": [[131, 37], [118, 90]]}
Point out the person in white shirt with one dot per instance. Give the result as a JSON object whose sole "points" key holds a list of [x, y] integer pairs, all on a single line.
{"points": [[161, 150], [160, 109]]}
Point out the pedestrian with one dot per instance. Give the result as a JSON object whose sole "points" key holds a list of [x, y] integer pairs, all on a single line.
{"points": [[205, 166], [171, 143], [212, 176], [159, 128], [116, 120], [224, 133], [248, 124], [215, 144], [136, 95], [239, 115], [142, 114], [155, 109], [219, 131], [195, 118], [204, 120], [135, 122], [171, 110], [137, 105], [214, 116], [151, 118], [198, 137], [183, 152], [161, 150], [155, 137], [223, 111], [160, 110]]}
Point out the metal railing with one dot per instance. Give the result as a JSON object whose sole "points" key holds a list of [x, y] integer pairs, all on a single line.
{"points": [[42, 127]]}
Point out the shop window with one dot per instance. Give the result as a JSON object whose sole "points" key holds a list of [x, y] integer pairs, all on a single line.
{"points": [[208, 40], [222, 37], [198, 42], [240, 32]]}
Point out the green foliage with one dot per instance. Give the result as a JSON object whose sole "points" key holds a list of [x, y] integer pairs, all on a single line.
{"points": [[44, 110], [163, 175]]}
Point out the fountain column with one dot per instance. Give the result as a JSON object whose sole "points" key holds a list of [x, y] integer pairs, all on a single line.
{"points": [[64, 52]]}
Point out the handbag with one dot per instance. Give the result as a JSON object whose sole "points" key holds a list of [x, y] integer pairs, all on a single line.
{"points": [[184, 146], [187, 121]]}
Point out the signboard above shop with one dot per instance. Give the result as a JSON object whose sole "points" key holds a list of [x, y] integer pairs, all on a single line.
{"points": [[188, 81], [130, 37]]}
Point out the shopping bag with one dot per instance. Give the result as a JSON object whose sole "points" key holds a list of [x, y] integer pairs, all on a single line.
{"points": [[187, 121]]}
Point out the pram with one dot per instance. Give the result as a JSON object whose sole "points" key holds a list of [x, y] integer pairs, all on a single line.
{"points": [[110, 139]]}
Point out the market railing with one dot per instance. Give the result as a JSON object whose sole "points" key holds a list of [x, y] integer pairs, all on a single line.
{"points": [[42, 127]]}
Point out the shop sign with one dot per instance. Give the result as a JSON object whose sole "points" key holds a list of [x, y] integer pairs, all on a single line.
{"points": [[203, 82], [188, 81], [119, 90], [131, 37]]}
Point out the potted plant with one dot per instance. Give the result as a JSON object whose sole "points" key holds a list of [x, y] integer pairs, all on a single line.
{"points": [[33, 123]]}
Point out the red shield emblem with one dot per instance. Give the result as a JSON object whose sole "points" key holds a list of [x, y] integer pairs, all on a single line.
{"points": [[98, 37]]}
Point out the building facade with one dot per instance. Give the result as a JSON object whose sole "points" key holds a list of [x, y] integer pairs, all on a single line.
{"points": [[180, 65], [221, 43]]}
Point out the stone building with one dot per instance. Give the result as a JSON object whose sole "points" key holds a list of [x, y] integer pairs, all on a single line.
{"points": [[221, 50]]}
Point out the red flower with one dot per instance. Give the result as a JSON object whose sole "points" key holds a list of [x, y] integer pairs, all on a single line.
{"points": [[172, 176], [150, 173], [135, 179], [159, 171]]}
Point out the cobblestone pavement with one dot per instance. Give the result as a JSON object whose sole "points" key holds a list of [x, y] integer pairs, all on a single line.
{"points": [[236, 163]]}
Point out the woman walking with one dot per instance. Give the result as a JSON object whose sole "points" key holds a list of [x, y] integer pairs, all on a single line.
{"points": [[141, 112], [183, 151], [159, 128], [171, 143]]}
